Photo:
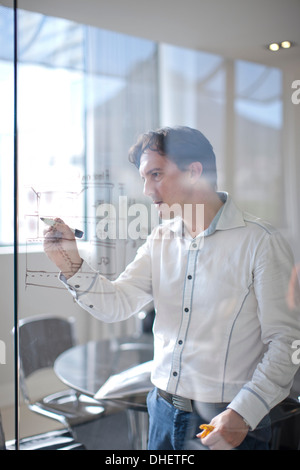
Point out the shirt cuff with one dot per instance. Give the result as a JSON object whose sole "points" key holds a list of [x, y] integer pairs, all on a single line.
{"points": [[250, 406], [81, 282], [70, 288]]}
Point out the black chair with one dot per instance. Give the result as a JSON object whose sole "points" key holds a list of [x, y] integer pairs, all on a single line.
{"points": [[285, 420], [41, 340]]}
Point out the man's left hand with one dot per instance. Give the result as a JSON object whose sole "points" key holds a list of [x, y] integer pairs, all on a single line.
{"points": [[229, 431]]}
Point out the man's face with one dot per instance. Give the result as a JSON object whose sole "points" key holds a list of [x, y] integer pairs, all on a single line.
{"points": [[164, 183]]}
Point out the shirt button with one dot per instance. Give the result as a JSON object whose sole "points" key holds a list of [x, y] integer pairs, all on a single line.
{"points": [[180, 341], [91, 306], [175, 374], [186, 309], [194, 245], [77, 286], [189, 276]]}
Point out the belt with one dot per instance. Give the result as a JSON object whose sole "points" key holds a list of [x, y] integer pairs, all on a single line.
{"points": [[184, 404]]}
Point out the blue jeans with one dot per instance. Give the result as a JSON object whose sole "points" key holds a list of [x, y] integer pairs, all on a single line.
{"points": [[173, 429]]}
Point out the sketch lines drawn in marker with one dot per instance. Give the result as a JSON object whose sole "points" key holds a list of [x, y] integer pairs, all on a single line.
{"points": [[108, 257]]}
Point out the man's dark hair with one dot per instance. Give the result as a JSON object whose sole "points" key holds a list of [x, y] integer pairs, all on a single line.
{"points": [[180, 144]]}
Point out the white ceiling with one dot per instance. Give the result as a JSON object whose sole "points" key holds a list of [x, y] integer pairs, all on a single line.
{"points": [[232, 28]]}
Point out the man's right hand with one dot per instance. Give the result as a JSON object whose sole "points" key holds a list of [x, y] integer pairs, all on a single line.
{"points": [[61, 248]]}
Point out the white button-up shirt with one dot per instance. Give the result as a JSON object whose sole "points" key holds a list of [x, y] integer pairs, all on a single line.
{"points": [[223, 331]]}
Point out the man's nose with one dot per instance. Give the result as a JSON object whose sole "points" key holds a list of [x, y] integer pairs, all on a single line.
{"points": [[148, 188]]}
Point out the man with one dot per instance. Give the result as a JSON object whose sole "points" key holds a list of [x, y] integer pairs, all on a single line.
{"points": [[223, 331]]}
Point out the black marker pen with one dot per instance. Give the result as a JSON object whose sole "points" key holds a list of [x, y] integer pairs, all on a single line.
{"points": [[51, 222]]}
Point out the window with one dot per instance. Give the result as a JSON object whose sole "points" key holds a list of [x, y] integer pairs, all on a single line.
{"points": [[82, 96], [6, 124], [193, 93], [51, 123], [258, 141], [238, 106]]}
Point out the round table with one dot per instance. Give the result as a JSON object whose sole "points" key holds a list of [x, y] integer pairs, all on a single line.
{"points": [[86, 367]]}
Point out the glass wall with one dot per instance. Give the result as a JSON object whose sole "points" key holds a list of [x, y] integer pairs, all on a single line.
{"points": [[84, 94]]}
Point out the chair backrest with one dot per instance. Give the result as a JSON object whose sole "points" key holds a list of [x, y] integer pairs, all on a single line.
{"points": [[41, 340]]}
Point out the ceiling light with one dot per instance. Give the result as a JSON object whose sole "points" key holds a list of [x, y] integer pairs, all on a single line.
{"points": [[274, 46]]}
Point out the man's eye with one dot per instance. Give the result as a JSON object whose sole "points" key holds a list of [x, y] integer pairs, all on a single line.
{"points": [[156, 175]]}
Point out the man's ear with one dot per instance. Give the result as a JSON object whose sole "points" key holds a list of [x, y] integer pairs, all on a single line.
{"points": [[196, 170]]}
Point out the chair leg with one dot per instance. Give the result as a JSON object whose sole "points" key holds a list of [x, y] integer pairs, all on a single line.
{"points": [[137, 429]]}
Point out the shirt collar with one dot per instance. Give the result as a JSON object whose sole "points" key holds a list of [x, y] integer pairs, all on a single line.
{"points": [[229, 216]]}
